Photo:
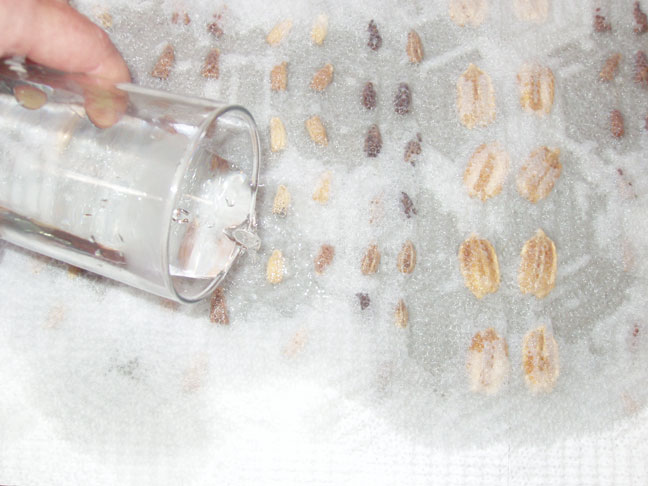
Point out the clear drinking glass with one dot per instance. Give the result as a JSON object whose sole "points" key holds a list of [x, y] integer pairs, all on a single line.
{"points": [[149, 188]]}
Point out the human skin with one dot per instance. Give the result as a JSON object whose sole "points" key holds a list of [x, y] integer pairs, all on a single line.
{"points": [[52, 33]]}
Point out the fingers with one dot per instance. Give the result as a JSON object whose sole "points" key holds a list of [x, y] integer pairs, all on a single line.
{"points": [[52, 33]]}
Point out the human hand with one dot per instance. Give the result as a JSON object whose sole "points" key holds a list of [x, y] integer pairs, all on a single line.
{"points": [[52, 33]]}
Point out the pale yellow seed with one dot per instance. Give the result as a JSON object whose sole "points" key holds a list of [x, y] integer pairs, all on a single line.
{"points": [[322, 78], [401, 316], [320, 29], [536, 84], [279, 77], [486, 171], [488, 362], [316, 130], [468, 12], [275, 269], [278, 32], [277, 134], [540, 360], [370, 260], [414, 47], [479, 266], [323, 188], [539, 174], [538, 266], [475, 98], [406, 261], [281, 201]]}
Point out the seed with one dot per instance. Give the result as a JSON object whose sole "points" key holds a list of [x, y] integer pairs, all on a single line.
{"points": [[479, 266], [407, 258], [279, 77], [610, 67], [30, 97], [540, 360], [275, 269], [475, 98], [373, 142], [218, 308], [164, 63], [486, 171], [323, 188], [296, 344], [539, 174], [370, 260], [536, 85], [215, 29], [175, 18], [277, 134], [316, 130], [104, 18], [600, 22], [641, 21], [375, 40], [376, 210], [412, 149], [641, 69], [369, 96], [538, 266], [322, 78], [488, 362], [210, 68], [281, 201], [320, 28], [278, 32], [402, 99], [414, 47], [324, 258], [401, 316], [408, 205], [616, 124], [364, 300], [472, 12], [531, 10]]}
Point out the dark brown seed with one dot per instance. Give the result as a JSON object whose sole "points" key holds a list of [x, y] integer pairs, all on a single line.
{"points": [[600, 22], [218, 308], [641, 21], [215, 30], [373, 142], [408, 205], [641, 69], [369, 96], [210, 68], [616, 124], [324, 258], [412, 149], [164, 63], [402, 99], [364, 300], [375, 40]]}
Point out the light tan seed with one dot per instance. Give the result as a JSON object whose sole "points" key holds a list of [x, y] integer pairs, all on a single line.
{"points": [[376, 209], [479, 266], [324, 258], [536, 85], [316, 130], [30, 97], [471, 12], [531, 10], [276, 267], [401, 316], [210, 68], [322, 78], [475, 98], [281, 201], [414, 47], [278, 32], [323, 188], [218, 308], [610, 68], [277, 134], [540, 360], [486, 171], [320, 29], [488, 362], [407, 258], [279, 77], [296, 344], [370, 260], [538, 266], [617, 125], [104, 18], [539, 174], [164, 63]]}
